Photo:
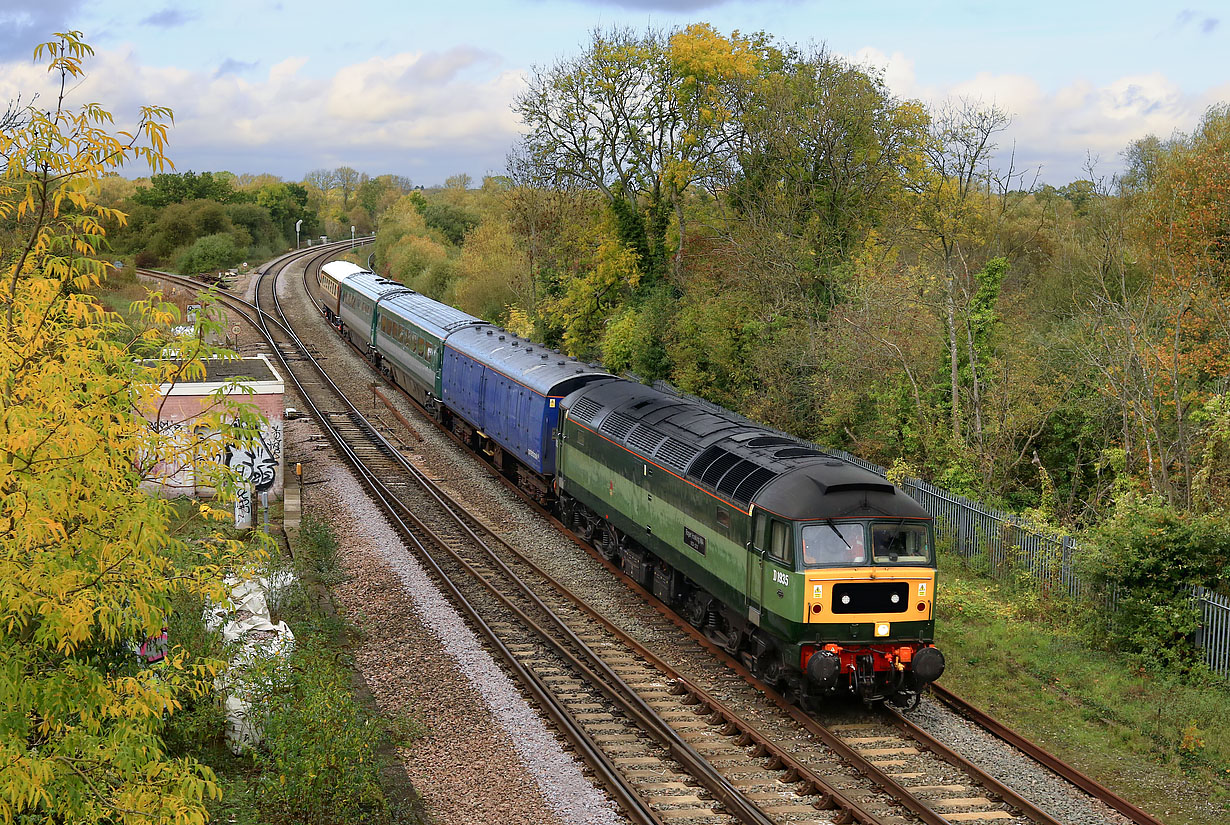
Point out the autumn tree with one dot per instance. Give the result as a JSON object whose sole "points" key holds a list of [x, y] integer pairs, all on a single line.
{"points": [[639, 118], [88, 563]]}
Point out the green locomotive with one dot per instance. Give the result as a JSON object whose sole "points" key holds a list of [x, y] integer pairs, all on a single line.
{"points": [[817, 574]]}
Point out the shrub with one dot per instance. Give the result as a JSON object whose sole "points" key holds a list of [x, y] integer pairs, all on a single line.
{"points": [[1154, 554], [319, 759], [210, 253]]}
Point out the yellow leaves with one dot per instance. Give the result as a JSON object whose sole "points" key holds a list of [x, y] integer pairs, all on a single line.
{"points": [[701, 52], [89, 563]]}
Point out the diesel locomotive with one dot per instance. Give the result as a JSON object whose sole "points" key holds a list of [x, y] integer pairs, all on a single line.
{"points": [[817, 574]]}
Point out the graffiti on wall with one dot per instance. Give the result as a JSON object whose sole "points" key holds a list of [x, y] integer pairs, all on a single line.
{"points": [[257, 464], [243, 508]]}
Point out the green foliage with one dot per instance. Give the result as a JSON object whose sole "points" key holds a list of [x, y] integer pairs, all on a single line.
{"points": [[316, 559], [171, 188], [453, 222], [493, 272], [210, 254], [318, 759], [1041, 664], [983, 318], [634, 340], [1154, 554]]}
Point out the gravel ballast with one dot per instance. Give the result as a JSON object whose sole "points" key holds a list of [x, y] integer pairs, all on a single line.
{"points": [[488, 756]]}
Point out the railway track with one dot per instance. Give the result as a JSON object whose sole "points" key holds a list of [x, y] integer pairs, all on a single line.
{"points": [[665, 748]]}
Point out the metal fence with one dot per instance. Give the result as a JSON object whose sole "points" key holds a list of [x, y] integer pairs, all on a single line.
{"points": [[1010, 544], [1214, 635]]}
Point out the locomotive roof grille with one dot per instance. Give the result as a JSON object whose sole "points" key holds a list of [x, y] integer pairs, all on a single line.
{"points": [[585, 410], [618, 425], [676, 455], [645, 439], [730, 482], [706, 458], [752, 484], [714, 472]]}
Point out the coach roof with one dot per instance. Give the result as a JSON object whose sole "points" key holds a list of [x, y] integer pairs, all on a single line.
{"points": [[543, 370], [431, 316]]}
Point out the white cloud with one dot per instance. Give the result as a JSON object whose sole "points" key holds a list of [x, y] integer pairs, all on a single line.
{"points": [[1058, 129], [383, 114]]}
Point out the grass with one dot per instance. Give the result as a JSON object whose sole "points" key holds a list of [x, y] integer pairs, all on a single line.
{"points": [[327, 753], [1035, 662]]}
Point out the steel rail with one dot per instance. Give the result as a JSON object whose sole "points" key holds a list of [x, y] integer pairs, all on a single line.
{"points": [[604, 768], [608, 775], [879, 777], [882, 779], [1036, 752], [736, 803], [979, 718], [829, 797]]}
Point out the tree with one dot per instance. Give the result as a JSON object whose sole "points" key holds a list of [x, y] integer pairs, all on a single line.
{"points": [[348, 180], [176, 188], [819, 171], [322, 179], [495, 275], [640, 118], [88, 563], [957, 165]]}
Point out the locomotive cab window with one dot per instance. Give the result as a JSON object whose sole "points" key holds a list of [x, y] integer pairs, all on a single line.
{"points": [[834, 545], [901, 543], [779, 543]]}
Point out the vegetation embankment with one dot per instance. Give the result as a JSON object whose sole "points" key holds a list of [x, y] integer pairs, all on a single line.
{"points": [[325, 755], [1040, 665]]}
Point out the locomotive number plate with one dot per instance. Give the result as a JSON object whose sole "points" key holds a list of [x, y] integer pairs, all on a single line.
{"points": [[694, 540]]}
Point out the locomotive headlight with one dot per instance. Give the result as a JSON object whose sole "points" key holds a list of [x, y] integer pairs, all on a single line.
{"points": [[845, 599], [894, 598], [882, 629]]}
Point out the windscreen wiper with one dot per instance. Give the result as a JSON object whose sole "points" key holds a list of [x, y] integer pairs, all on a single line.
{"points": [[833, 527]]}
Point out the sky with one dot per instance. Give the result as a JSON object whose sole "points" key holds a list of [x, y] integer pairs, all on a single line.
{"points": [[425, 89]]}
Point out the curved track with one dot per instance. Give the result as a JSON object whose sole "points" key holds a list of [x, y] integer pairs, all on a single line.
{"points": [[662, 746]]}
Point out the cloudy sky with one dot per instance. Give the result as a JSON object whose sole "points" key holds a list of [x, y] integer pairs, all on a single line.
{"points": [[423, 89]]}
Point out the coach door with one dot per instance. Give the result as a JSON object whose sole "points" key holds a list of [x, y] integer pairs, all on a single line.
{"points": [[754, 586]]}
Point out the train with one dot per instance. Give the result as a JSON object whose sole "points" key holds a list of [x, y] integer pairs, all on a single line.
{"points": [[818, 575]]}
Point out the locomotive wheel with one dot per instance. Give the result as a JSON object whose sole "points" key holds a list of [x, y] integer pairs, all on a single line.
{"points": [[608, 542]]}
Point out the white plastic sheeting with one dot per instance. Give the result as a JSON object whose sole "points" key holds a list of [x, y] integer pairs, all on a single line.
{"points": [[252, 639]]}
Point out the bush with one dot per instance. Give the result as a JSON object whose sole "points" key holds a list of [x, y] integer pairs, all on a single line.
{"points": [[1154, 554], [209, 254], [319, 759]]}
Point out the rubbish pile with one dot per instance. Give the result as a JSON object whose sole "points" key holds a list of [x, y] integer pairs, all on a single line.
{"points": [[255, 645]]}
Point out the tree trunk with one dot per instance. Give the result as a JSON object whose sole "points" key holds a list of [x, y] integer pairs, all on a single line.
{"points": [[952, 360]]}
